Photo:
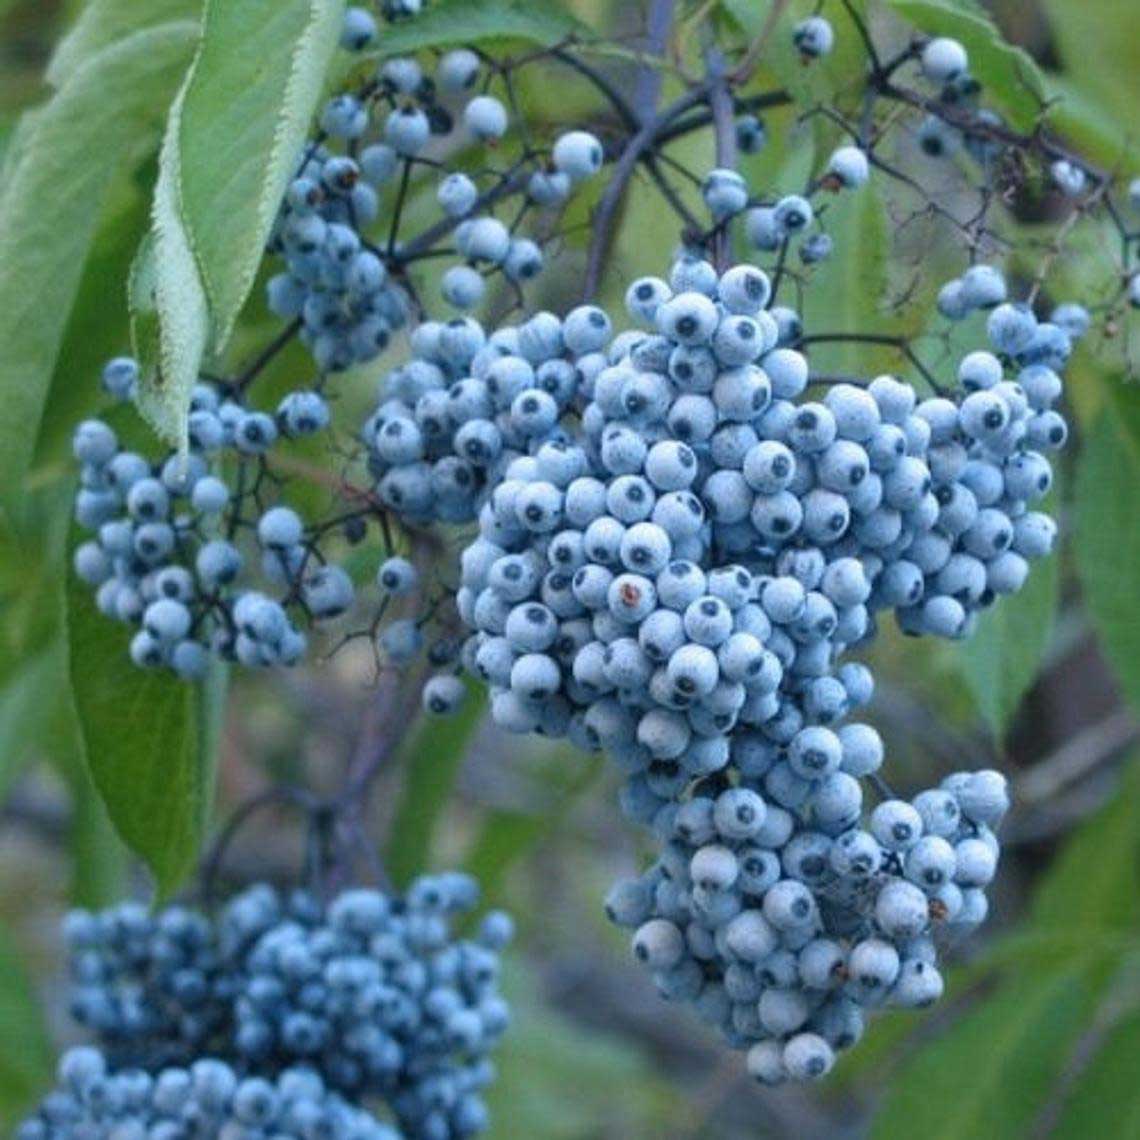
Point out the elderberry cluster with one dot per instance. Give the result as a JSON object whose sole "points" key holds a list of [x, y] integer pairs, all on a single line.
{"points": [[207, 1100], [785, 926], [677, 546], [167, 557], [372, 992]]}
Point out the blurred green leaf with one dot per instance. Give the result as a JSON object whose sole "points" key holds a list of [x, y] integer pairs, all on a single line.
{"points": [[988, 1076], [98, 857], [469, 21], [819, 81], [1011, 79], [98, 327], [505, 836], [1003, 657], [106, 111], [1087, 122], [559, 1081], [1094, 884], [1101, 55], [1047, 992], [148, 740], [431, 761], [27, 710], [1107, 539], [1106, 1099], [26, 1062], [37, 719], [847, 289]]}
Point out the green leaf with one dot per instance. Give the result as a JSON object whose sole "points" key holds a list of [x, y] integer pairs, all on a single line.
{"points": [[106, 113], [1011, 79], [97, 330], [1106, 1100], [1049, 991], [99, 861], [27, 710], [233, 142], [1100, 53], [846, 290], [102, 23], [1002, 659], [249, 103], [1095, 882], [149, 744], [505, 836], [1087, 122], [558, 1081], [180, 309], [26, 1063], [987, 1078], [469, 21], [431, 762], [1107, 539]]}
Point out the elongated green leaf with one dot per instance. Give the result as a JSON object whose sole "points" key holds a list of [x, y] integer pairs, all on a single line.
{"points": [[1085, 120], [25, 1051], [1107, 544], [431, 761], [1049, 991], [1011, 79], [245, 118], [503, 839], [27, 710], [468, 21], [178, 299], [148, 742], [988, 1077], [103, 23], [99, 860], [1106, 1100], [232, 143], [109, 109], [506, 837], [1001, 660]]}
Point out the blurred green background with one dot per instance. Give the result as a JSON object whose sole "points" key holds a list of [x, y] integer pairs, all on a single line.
{"points": [[1040, 1031]]}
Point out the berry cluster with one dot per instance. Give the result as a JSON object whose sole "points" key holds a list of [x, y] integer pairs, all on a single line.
{"points": [[784, 926], [166, 556], [349, 294], [207, 1100], [371, 992], [676, 547]]}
